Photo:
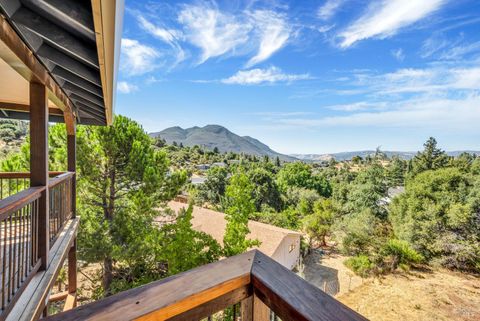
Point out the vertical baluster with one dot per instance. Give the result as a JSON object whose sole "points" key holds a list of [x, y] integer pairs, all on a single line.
{"points": [[10, 259], [4, 270], [14, 272], [19, 246]]}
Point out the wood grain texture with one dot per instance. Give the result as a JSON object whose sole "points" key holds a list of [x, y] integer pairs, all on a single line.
{"points": [[19, 200], [292, 298], [171, 296], [39, 162], [221, 303]]}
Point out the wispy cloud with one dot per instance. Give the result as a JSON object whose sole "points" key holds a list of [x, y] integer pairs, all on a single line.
{"points": [[261, 76], [398, 54], [125, 87], [137, 58], [214, 32], [386, 18], [448, 114], [328, 9], [169, 36], [273, 33]]}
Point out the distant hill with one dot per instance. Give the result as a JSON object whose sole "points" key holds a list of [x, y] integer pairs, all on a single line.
{"points": [[212, 136], [364, 153]]}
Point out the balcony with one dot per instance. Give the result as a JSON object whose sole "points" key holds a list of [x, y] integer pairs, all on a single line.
{"points": [[255, 287], [27, 240]]}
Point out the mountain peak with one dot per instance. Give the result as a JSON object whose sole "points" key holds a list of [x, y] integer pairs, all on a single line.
{"points": [[211, 136]]}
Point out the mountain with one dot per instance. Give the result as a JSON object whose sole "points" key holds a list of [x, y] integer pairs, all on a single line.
{"points": [[212, 136], [364, 153]]}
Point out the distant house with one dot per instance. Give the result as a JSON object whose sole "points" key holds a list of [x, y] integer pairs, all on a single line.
{"points": [[203, 167], [280, 244], [219, 164], [391, 194], [198, 180]]}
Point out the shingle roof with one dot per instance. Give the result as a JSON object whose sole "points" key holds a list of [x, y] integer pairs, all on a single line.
{"points": [[214, 223]]}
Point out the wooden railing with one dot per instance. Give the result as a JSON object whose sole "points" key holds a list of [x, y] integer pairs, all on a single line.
{"points": [[60, 206], [20, 244], [253, 282], [14, 182]]}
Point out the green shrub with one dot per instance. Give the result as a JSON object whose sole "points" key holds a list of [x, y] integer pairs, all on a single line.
{"points": [[360, 265], [397, 252]]}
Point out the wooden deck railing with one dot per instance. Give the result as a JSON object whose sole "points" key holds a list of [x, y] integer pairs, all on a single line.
{"points": [[14, 182], [60, 206], [18, 244], [19, 229], [253, 282]]}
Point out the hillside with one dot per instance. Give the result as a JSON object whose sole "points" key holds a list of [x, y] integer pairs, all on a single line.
{"points": [[212, 136], [364, 153]]}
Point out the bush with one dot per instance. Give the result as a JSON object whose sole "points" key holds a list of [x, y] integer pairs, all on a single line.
{"points": [[360, 265], [397, 252]]}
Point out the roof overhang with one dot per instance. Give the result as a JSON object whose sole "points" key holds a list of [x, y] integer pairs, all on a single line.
{"points": [[71, 46]]}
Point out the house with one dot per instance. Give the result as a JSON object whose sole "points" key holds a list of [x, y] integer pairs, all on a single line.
{"points": [[58, 62], [280, 244]]}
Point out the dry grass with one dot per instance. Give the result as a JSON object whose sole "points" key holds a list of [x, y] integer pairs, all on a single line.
{"points": [[416, 295]]}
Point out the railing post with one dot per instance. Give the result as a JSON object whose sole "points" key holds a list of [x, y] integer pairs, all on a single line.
{"points": [[261, 312], [39, 163], [71, 167], [246, 309], [72, 156]]}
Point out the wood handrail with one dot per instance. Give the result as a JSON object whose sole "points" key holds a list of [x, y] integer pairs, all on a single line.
{"points": [[17, 201], [59, 179], [13, 175], [200, 292]]}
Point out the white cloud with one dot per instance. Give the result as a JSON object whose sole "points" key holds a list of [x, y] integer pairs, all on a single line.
{"points": [[447, 114], [386, 18], [398, 54], [125, 87], [328, 9], [273, 34], [214, 32], [357, 106], [260, 76], [169, 36], [137, 58]]}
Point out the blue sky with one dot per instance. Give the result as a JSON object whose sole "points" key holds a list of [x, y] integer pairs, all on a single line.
{"points": [[307, 76]]}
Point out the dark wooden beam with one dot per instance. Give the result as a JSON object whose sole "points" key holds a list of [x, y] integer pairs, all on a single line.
{"points": [[39, 163], [21, 58], [57, 36], [72, 15], [26, 108], [72, 269], [67, 62], [61, 72]]}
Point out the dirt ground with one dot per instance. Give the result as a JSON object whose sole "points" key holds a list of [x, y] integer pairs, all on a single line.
{"points": [[417, 295]]}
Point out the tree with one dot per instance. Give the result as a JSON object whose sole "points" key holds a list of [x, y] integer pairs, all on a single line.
{"points": [[215, 150], [121, 177], [213, 189], [277, 161], [300, 175], [431, 157], [439, 216], [395, 173], [265, 190], [239, 206], [318, 224]]}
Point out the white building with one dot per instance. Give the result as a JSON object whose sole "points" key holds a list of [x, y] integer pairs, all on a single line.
{"points": [[280, 244]]}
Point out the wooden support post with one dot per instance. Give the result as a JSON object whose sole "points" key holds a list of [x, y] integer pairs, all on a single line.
{"points": [[261, 312], [39, 163], [246, 309], [72, 269], [72, 155]]}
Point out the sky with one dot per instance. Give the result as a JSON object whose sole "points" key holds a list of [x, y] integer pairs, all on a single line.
{"points": [[307, 76]]}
